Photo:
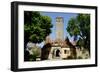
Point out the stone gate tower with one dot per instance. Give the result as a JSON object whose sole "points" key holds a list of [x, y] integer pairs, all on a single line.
{"points": [[59, 28]]}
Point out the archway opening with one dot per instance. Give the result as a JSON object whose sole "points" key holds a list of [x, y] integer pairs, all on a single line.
{"points": [[58, 53]]}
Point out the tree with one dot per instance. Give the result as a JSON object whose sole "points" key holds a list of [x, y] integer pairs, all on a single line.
{"points": [[36, 27], [36, 53], [79, 27]]}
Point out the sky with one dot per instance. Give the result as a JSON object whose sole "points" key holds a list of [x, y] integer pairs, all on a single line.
{"points": [[66, 17]]}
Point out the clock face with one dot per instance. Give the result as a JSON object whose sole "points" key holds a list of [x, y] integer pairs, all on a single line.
{"points": [[59, 19]]}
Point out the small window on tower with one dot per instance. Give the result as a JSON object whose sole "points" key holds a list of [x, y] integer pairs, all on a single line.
{"points": [[65, 51]]}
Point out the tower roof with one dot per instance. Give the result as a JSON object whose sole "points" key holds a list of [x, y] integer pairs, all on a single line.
{"points": [[59, 17]]}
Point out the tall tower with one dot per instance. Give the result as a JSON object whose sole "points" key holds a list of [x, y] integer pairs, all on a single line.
{"points": [[59, 28]]}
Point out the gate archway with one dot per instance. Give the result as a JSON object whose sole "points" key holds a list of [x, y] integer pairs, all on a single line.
{"points": [[57, 53]]}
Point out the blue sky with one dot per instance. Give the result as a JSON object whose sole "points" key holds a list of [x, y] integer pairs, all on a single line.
{"points": [[66, 17]]}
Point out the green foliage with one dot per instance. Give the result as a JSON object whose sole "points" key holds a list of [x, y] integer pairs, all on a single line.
{"points": [[73, 27], [36, 27], [80, 26], [36, 53]]}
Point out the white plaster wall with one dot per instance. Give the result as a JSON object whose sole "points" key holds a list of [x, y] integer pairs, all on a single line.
{"points": [[68, 52]]}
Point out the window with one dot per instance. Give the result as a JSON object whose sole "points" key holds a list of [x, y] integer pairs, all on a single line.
{"points": [[65, 51]]}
